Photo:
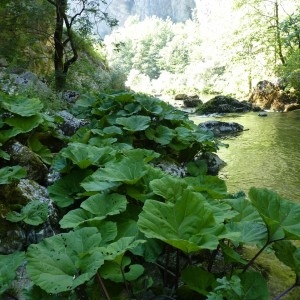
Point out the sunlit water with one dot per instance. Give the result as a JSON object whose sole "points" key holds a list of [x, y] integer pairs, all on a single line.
{"points": [[267, 154]]}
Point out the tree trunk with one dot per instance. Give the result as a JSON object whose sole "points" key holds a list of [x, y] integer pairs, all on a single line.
{"points": [[62, 40], [60, 76], [278, 37]]}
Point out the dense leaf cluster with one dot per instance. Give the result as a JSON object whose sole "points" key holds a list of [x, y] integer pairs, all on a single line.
{"points": [[129, 230]]}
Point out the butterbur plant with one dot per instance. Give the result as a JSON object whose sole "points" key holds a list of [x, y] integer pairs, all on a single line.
{"points": [[129, 230]]}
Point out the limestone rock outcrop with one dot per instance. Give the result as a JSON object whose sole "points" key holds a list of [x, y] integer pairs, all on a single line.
{"points": [[269, 96]]}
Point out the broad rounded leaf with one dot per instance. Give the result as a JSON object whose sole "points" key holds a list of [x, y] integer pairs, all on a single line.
{"points": [[9, 174], [289, 254], [8, 266], [129, 170], [24, 124], [23, 106], [151, 105], [197, 279], [77, 217], [115, 272], [105, 204], [161, 135], [187, 225], [34, 213], [62, 192], [134, 123], [248, 232], [281, 216], [65, 261], [254, 286], [85, 155], [168, 187]]}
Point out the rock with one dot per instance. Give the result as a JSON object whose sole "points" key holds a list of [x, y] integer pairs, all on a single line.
{"points": [[70, 96], [181, 97], [192, 102], [13, 236], [224, 104], [25, 157], [270, 96], [3, 62], [263, 114], [172, 168], [214, 163], [70, 123], [222, 128], [23, 81], [291, 107]]}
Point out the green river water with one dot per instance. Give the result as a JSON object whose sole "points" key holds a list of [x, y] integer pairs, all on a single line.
{"points": [[266, 155]]}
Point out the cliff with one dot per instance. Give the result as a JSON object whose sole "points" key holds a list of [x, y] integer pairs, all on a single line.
{"points": [[176, 10]]}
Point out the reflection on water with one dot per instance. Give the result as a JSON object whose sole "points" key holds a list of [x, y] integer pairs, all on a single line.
{"points": [[266, 155]]}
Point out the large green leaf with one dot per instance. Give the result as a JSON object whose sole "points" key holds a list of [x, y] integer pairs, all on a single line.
{"points": [[128, 170], [198, 279], [246, 286], [119, 272], [77, 217], [248, 232], [85, 155], [119, 247], [34, 213], [280, 216], [97, 207], [9, 174], [289, 254], [187, 225], [5, 135], [168, 187], [8, 266], [151, 105], [23, 106], [64, 191], [105, 204], [254, 286], [246, 211], [37, 147], [161, 134], [211, 185], [65, 261], [134, 123], [94, 184], [24, 124]]}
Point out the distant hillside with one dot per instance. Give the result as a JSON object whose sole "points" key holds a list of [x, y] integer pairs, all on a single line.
{"points": [[177, 10]]}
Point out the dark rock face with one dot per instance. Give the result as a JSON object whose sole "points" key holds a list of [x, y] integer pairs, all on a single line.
{"points": [[222, 128], [270, 96], [70, 123], [192, 101], [25, 157], [181, 97], [224, 104]]}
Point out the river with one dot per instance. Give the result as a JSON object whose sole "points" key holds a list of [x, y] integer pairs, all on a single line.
{"points": [[267, 154]]}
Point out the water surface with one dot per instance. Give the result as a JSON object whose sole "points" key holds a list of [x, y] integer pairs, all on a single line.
{"points": [[267, 154]]}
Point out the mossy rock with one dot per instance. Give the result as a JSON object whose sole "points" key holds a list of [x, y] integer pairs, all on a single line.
{"points": [[223, 104]]}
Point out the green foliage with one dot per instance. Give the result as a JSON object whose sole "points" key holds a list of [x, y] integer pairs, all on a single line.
{"points": [[34, 213], [29, 49], [9, 174], [8, 266], [122, 219], [290, 72], [70, 257]]}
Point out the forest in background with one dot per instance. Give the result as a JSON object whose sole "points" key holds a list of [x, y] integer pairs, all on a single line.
{"points": [[226, 48]]}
